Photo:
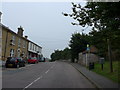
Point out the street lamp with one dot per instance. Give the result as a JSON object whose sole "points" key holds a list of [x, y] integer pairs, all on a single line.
{"points": [[88, 49]]}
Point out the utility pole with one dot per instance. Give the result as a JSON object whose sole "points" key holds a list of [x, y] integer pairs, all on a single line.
{"points": [[109, 55]]}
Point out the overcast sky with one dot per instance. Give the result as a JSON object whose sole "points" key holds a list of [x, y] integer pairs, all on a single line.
{"points": [[43, 23]]}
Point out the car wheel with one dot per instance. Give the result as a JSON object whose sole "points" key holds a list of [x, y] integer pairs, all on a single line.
{"points": [[24, 65], [6, 66], [17, 66]]}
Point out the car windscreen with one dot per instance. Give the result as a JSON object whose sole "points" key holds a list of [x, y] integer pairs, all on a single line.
{"points": [[33, 58], [12, 59], [19, 59]]}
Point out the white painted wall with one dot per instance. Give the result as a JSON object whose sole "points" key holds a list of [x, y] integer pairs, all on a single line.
{"points": [[34, 48]]}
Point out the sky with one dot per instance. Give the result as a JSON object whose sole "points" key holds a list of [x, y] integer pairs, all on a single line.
{"points": [[43, 23]]}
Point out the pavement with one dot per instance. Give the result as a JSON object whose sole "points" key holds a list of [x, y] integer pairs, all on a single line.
{"points": [[98, 80], [2, 63]]}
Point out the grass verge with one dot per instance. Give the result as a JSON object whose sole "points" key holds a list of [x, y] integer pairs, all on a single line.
{"points": [[114, 76]]}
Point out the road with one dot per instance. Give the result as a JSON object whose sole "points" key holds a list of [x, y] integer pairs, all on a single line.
{"points": [[45, 75]]}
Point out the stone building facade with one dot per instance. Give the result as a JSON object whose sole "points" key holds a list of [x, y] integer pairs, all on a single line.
{"points": [[86, 57], [16, 45], [13, 44]]}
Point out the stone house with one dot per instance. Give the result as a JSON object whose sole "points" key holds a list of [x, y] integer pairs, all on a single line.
{"points": [[13, 44], [88, 56]]}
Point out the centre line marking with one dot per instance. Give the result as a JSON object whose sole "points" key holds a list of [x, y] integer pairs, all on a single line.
{"points": [[32, 82], [47, 71]]}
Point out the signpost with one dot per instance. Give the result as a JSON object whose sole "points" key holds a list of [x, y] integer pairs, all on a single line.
{"points": [[102, 61], [88, 49]]}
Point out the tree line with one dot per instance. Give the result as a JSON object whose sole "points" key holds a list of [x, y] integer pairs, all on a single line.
{"points": [[104, 18]]}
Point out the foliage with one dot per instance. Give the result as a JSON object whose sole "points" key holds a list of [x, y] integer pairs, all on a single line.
{"points": [[106, 71], [61, 54], [78, 43], [104, 17], [101, 15]]}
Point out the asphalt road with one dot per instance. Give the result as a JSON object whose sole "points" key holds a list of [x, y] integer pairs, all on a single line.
{"points": [[44, 75]]}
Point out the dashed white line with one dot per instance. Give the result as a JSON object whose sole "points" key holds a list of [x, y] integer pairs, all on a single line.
{"points": [[29, 65], [47, 71], [38, 78], [52, 66], [32, 82]]}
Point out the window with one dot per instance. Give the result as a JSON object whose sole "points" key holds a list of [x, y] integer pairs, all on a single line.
{"points": [[24, 44], [30, 46], [12, 41], [11, 52], [13, 38], [18, 53], [19, 42], [33, 47]]}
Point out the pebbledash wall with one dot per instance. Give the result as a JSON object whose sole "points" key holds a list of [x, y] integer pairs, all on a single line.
{"points": [[34, 50]]}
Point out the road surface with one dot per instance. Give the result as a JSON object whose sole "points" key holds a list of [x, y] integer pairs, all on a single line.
{"points": [[44, 75]]}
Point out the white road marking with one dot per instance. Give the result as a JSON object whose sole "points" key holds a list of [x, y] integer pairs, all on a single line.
{"points": [[47, 71], [21, 67], [52, 66], [38, 78], [29, 65], [32, 82]]}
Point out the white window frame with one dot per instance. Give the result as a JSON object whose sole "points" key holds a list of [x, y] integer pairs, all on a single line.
{"points": [[13, 40], [19, 42], [24, 44], [11, 52]]}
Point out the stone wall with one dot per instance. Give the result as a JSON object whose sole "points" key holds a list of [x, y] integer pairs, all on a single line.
{"points": [[85, 59]]}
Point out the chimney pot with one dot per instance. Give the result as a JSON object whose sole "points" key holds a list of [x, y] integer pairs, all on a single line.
{"points": [[26, 37], [0, 16], [20, 31]]}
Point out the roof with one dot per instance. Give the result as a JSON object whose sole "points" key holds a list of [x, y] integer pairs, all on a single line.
{"points": [[35, 43], [7, 28], [93, 49]]}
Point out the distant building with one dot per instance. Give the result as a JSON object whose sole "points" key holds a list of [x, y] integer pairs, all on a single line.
{"points": [[34, 50], [88, 56]]}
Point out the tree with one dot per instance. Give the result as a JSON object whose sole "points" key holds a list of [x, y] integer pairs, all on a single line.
{"points": [[101, 15], [77, 44], [104, 17], [61, 54]]}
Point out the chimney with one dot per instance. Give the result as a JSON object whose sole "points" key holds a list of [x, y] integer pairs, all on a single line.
{"points": [[0, 16], [20, 31], [26, 37]]}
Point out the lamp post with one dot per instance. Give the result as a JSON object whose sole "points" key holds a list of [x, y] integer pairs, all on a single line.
{"points": [[109, 55], [88, 49]]}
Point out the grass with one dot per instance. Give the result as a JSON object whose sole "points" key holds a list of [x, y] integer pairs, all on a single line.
{"points": [[114, 76]]}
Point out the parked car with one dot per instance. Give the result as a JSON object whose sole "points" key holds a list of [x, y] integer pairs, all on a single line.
{"points": [[42, 59], [33, 60], [14, 62], [21, 62]]}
